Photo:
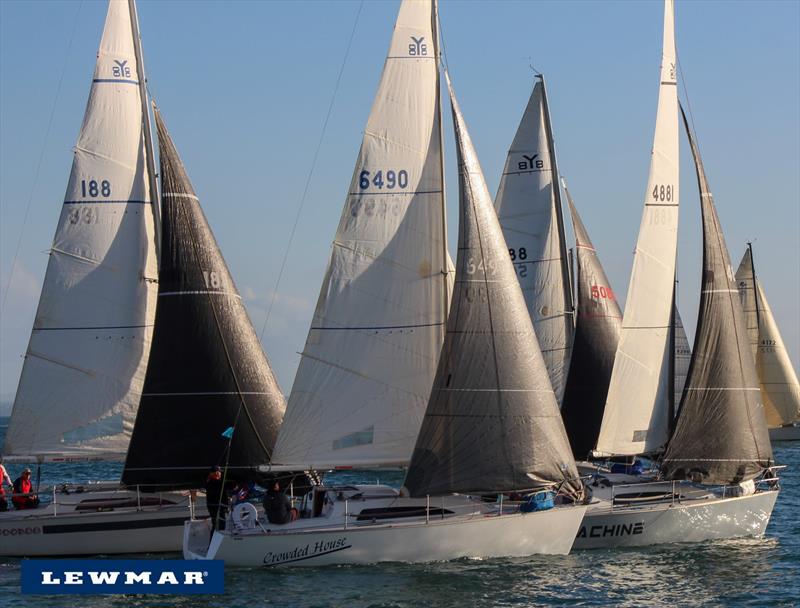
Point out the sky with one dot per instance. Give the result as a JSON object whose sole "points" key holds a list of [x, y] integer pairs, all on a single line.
{"points": [[245, 88]]}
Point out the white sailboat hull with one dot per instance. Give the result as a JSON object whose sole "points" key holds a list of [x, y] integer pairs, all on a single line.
{"points": [[69, 529], [790, 432], [482, 533], [706, 518]]}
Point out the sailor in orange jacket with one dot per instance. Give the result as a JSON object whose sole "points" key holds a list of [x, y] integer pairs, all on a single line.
{"points": [[23, 497]]}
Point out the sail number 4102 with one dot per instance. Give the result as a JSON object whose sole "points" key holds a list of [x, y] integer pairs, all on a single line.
{"points": [[391, 179]]}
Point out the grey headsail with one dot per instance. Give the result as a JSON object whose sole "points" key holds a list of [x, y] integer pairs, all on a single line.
{"points": [[721, 432], [207, 371], [492, 423], [596, 336]]}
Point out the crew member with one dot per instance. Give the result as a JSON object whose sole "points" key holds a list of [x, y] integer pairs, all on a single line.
{"points": [[4, 479], [279, 506], [217, 499], [23, 497]]}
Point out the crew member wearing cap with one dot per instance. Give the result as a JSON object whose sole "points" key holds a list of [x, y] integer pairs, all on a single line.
{"points": [[217, 499], [23, 497]]}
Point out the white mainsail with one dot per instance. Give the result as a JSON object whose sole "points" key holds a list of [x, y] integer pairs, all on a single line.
{"points": [[84, 367], [528, 204], [370, 357], [635, 420], [780, 390]]}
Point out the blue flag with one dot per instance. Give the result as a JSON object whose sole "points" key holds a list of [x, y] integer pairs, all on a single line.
{"points": [[228, 433]]}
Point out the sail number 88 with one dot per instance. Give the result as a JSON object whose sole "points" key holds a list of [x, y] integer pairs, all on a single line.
{"points": [[663, 193], [393, 179]]}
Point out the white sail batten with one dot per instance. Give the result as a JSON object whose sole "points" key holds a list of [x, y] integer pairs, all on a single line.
{"points": [[780, 390], [635, 420], [527, 204], [371, 353], [84, 367]]}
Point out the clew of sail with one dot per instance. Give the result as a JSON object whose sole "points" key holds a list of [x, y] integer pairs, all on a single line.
{"points": [[635, 420], [780, 390], [85, 363], [596, 336], [528, 204], [207, 371], [721, 432], [368, 363], [492, 422]]}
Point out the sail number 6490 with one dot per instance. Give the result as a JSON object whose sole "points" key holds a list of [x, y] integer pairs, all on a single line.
{"points": [[393, 179]]}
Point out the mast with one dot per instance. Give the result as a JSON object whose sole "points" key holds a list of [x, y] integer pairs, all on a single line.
{"points": [[445, 255], [149, 151], [562, 247]]}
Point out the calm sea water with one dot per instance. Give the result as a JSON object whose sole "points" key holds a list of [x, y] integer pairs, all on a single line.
{"points": [[752, 572]]}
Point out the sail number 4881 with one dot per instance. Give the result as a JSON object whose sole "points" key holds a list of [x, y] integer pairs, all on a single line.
{"points": [[391, 179]]}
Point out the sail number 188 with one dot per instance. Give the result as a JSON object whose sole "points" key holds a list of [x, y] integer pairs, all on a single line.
{"points": [[95, 189]]}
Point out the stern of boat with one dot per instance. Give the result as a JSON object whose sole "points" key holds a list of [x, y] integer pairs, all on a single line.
{"points": [[196, 538]]}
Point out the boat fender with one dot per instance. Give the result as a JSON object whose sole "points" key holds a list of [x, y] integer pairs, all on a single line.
{"points": [[245, 516], [541, 501]]}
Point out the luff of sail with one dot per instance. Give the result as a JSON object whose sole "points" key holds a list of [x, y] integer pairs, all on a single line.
{"points": [[635, 420], [721, 432], [370, 356], [84, 366], [597, 331], [780, 390], [492, 422], [207, 370], [528, 204]]}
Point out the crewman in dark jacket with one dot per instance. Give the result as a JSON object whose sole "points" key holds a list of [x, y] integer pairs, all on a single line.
{"points": [[279, 506], [217, 499]]}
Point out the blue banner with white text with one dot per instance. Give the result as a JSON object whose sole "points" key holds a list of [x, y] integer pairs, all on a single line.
{"points": [[110, 576]]}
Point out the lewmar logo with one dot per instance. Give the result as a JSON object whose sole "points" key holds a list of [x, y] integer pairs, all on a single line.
{"points": [[100, 576]]}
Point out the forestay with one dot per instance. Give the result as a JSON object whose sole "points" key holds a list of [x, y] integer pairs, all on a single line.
{"points": [[492, 423], [371, 352], [528, 204], [84, 367], [780, 390], [596, 335], [207, 370], [721, 433], [635, 420]]}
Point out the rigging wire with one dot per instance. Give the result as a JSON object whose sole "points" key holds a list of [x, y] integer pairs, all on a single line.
{"points": [[311, 172], [41, 156]]}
